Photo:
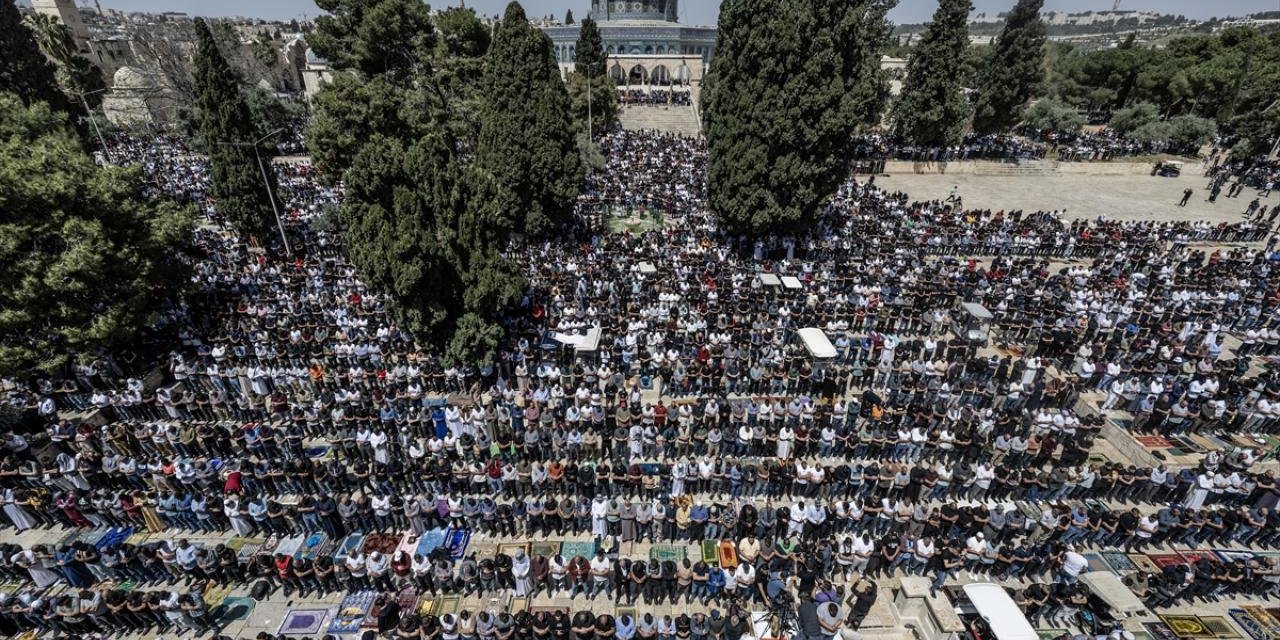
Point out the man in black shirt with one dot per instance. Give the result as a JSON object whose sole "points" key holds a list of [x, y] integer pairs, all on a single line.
{"points": [[810, 628]]}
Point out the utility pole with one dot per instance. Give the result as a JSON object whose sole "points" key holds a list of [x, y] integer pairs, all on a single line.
{"points": [[92, 119], [590, 129], [266, 184]]}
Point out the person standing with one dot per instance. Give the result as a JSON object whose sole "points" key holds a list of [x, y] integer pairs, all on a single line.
{"points": [[1186, 195]]}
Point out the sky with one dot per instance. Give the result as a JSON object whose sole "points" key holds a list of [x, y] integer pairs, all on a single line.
{"points": [[693, 12]]}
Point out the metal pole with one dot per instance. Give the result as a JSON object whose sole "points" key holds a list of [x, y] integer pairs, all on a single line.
{"points": [[266, 184], [94, 120], [590, 129]]}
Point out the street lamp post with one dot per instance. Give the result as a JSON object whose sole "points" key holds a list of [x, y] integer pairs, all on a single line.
{"points": [[266, 184]]}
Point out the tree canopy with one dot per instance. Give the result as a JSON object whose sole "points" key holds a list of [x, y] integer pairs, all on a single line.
{"points": [[1013, 72], [591, 76], [932, 109], [85, 255], [526, 135], [780, 109], [375, 37], [227, 131], [1053, 115], [426, 221]]}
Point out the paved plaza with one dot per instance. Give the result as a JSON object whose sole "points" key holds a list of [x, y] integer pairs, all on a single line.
{"points": [[1119, 197]]}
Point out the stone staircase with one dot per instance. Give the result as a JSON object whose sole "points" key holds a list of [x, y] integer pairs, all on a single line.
{"points": [[1019, 168], [671, 119]]}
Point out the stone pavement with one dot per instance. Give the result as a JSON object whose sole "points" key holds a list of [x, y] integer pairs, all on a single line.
{"points": [[1121, 197]]}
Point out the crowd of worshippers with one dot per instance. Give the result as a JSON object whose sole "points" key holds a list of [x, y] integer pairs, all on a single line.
{"points": [[91, 613], [655, 97], [298, 353]]}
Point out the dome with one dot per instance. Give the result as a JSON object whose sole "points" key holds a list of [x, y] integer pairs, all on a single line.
{"points": [[131, 78], [663, 10]]}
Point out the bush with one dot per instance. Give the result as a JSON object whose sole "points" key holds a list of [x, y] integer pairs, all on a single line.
{"points": [[1053, 115], [1130, 119]]}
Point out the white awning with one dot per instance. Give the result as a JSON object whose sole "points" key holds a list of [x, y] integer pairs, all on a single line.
{"points": [[769, 280], [590, 341], [646, 268], [817, 343], [791, 282], [1001, 613], [1112, 591]]}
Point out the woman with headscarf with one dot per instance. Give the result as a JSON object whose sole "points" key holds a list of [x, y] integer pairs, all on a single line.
{"points": [[69, 503]]}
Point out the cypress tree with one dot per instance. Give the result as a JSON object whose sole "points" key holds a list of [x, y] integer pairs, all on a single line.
{"points": [[932, 110], [526, 135], [226, 129], [781, 109], [1015, 71], [589, 56], [591, 74], [24, 71]]}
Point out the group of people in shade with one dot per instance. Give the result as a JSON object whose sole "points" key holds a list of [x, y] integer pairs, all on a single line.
{"points": [[291, 402]]}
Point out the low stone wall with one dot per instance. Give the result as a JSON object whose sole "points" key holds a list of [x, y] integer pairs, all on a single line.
{"points": [[991, 167]]}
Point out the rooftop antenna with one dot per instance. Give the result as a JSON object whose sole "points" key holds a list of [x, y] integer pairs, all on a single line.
{"points": [[1116, 6]]}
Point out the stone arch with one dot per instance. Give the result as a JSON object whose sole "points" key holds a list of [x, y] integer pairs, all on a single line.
{"points": [[611, 50], [659, 74], [638, 75], [617, 73], [648, 50], [683, 74]]}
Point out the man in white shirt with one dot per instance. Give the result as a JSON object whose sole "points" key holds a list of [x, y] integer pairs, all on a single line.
{"points": [[1072, 564]]}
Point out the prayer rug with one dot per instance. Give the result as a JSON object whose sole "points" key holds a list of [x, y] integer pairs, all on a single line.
{"points": [[427, 606], [236, 543], [1220, 627], [448, 604], [313, 547], [138, 537], [351, 612], [571, 548], [349, 544], [509, 548], [1096, 563], [1163, 560], [518, 604], [545, 549], [547, 609], [1191, 555], [1187, 627], [1229, 555], [1118, 561], [626, 611], [407, 598], [1143, 563], [1153, 442], [303, 622], [214, 593], [1251, 626], [1268, 618], [270, 545], [456, 541], [728, 555], [248, 550], [384, 543], [672, 552], [409, 543], [235, 608], [289, 545], [709, 552], [430, 541]]}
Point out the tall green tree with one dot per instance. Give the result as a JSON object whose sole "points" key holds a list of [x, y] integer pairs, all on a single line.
{"points": [[781, 109], [526, 131], [85, 255], [462, 33], [591, 78], [227, 131], [1014, 72], [932, 109], [392, 38], [24, 71]]}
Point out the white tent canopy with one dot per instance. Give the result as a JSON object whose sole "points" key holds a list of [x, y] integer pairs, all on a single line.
{"points": [[590, 341], [817, 343]]}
